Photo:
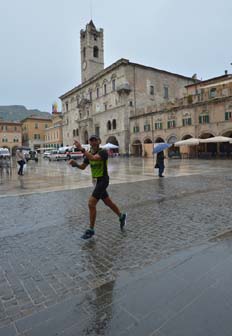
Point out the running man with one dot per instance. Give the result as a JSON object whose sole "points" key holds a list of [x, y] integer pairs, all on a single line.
{"points": [[98, 159]]}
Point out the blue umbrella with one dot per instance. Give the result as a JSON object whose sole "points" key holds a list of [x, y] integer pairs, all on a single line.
{"points": [[159, 147]]}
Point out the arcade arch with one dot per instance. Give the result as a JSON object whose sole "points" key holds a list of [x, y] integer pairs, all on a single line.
{"points": [[148, 141], [172, 151], [186, 151], [112, 139], [227, 133], [159, 139], [186, 137], [210, 148], [147, 147], [226, 147], [136, 148], [172, 139]]}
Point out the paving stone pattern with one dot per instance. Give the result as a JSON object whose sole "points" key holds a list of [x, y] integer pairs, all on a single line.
{"points": [[47, 270]]}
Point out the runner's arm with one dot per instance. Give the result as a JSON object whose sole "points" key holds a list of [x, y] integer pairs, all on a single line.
{"points": [[81, 166], [92, 157], [88, 155]]}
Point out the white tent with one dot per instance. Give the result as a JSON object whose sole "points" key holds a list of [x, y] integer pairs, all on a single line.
{"points": [[109, 146], [187, 142], [216, 139]]}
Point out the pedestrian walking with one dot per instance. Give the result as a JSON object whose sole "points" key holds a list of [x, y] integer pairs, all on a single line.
{"points": [[5, 163], [160, 163], [97, 158], [1, 163], [21, 160]]}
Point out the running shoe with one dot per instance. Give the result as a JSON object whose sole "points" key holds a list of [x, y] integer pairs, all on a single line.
{"points": [[89, 233], [122, 220]]}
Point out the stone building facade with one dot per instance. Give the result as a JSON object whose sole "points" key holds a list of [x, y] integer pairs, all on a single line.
{"points": [[33, 131], [204, 111], [10, 134], [54, 133], [111, 101]]}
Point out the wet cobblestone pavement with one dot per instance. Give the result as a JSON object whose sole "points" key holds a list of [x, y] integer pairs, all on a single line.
{"points": [[45, 268]]}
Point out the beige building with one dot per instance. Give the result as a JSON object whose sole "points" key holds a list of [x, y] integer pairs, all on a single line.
{"points": [[10, 134], [116, 102], [54, 134], [33, 131], [204, 111]]}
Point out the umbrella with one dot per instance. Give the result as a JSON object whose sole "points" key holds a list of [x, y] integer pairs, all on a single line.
{"points": [[109, 146], [187, 142], [216, 139], [159, 147]]}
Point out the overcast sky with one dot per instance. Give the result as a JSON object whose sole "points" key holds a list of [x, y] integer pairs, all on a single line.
{"points": [[40, 45]]}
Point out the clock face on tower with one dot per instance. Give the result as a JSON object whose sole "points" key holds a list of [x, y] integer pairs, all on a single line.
{"points": [[84, 65]]}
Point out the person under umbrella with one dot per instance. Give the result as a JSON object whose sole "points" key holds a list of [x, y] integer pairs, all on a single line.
{"points": [[158, 149], [160, 163]]}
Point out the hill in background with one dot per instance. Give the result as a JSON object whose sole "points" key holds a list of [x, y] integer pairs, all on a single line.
{"points": [[19, 112]]}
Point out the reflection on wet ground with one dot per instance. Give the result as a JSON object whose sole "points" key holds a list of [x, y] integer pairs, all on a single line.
{"points": [[53, 283], [52, 176]]}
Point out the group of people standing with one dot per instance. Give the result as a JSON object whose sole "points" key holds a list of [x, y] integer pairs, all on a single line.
{"points": [[5, 162]]}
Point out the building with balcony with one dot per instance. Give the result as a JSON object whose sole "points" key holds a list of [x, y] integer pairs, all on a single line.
{"points": [[204, 111]]}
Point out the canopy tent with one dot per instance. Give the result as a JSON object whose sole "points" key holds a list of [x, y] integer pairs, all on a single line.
{"points": [[109, 145], [187, 142], [195, 141], [216, 139]]}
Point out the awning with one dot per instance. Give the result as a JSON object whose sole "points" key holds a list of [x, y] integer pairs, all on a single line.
{"points": [[187, 142], [216, 139]]}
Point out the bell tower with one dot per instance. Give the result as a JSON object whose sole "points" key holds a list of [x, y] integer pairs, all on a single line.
{"points": [[92, 51]]}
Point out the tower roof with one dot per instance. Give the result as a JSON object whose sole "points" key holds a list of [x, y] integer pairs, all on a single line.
{"points": [[91, 24]]}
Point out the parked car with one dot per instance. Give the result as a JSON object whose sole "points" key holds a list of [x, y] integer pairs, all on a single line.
{"points": [[65, 153], [58, 155], [47, 154], [33, 155], [70, 152], [54, 155], [5, 152]]}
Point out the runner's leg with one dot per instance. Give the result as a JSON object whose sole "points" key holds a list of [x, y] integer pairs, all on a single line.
{"points": [[111, 205], [92, 211]]}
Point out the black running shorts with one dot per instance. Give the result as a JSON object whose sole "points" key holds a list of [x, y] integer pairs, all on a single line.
{"points": [[100, 188]]}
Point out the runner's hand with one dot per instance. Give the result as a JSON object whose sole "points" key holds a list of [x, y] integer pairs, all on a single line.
{"points": [[77, 144], [73, 163]]}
